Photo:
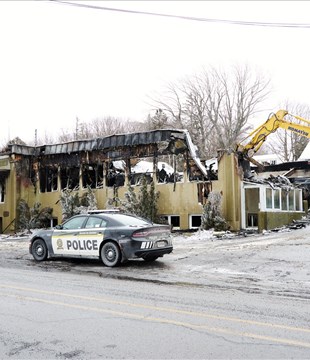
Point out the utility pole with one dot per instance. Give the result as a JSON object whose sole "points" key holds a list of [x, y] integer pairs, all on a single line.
{"points": [[77, 128], [35, 137]]}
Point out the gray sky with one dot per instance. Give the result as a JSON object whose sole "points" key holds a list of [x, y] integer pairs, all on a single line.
{"points": [[59, 62]]}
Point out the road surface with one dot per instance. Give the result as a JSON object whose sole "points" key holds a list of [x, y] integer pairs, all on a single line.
{"points": [[239, 298]]}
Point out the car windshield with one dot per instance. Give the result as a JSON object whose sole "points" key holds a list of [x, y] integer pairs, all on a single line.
{"points": [[128, 220]]}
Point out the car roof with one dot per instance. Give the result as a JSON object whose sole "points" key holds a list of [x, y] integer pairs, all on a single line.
{"points": [[103, 211]]}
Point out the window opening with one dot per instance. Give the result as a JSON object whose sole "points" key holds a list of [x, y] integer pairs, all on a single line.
{"points": [[92, 176], [284, 199], [276, 198], [195, 221], [252, 220], [297, 200], [140, 169], [269, 198], [291, 200], [48, 177], [115, 174], [173, 220], [2, 190], [203, 191], [69, 177]]}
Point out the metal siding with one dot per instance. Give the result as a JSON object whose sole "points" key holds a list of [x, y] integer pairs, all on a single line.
{"points": [[128, 140], [120, 140]]}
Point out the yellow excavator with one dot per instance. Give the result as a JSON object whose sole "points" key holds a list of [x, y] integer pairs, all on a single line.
{"points": [[259, 135]]}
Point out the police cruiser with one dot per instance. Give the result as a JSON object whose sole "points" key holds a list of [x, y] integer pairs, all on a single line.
{"points": [[114, 237]]}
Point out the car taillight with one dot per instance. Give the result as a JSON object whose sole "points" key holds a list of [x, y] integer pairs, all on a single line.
{"points": [[141, 234]]}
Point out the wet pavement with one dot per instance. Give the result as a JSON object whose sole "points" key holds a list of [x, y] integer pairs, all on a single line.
{"points": [[272, 263]]}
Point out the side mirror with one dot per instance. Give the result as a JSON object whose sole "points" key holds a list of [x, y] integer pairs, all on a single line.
{"points": [[59, 227]]}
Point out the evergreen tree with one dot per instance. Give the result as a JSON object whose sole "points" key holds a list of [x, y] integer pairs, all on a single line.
{"points": [[88, 200], [212, 217], [33, 218], [144, 203], [72, 205]]}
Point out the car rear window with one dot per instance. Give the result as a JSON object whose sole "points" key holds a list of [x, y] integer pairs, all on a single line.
{"points": [[130, 220]]}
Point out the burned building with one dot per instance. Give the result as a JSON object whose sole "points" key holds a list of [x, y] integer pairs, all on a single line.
{"points": [[106, 165], [168, 158]]}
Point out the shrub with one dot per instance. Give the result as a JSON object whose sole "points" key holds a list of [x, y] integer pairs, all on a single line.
{"points": [[33, 218], [72, 205], [212, 213], [143, 203]]}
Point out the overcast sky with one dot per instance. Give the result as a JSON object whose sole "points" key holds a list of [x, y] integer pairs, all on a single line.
{"points": [[59, 62]]}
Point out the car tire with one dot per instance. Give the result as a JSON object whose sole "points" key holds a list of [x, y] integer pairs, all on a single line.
{"points": [[110, 254], [39, 250]]}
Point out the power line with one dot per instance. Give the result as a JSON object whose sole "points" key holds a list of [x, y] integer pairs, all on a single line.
{"points": [[181, 17]]}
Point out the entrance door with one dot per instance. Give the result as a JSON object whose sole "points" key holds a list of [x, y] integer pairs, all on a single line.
{"points": [[251, 207]]}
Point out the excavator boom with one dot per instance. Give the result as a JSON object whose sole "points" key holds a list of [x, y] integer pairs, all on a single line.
{"points": [[275, 121], [259, 135]]}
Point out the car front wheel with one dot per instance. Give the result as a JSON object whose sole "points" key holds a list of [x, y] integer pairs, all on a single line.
{"points": [[110, 254], [39, 250]]}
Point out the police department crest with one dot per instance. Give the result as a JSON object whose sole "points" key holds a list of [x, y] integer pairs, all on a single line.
{"points": [[59, 244]]}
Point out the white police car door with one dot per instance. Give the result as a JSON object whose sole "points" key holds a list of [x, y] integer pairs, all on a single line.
{"points": [[90, 237], [65, 241]]}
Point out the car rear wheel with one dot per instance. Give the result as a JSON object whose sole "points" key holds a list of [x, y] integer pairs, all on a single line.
{"points": [[39, 250], [110, 254]]}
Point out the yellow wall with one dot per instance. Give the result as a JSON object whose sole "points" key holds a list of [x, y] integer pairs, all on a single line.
{"points": [[8, 208], [183, 201], [174, 199], [230, 184]]}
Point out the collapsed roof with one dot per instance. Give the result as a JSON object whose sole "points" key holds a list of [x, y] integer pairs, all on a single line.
{"points": [[120, 146]]}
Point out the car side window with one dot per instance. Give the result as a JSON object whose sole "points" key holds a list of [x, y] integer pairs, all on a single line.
{"points": [[95, 222], [74, 223]]}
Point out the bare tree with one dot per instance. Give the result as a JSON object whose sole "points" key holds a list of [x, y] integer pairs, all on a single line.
{"points": [[159, 121], [15, 141], [287, 144], [100, 127], [214, 106]]}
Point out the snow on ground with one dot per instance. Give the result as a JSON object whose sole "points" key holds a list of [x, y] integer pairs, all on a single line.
{"points": [[275, 262]]}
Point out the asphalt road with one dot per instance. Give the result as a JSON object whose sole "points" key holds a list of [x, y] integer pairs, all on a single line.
{"points": [[239, 298]]}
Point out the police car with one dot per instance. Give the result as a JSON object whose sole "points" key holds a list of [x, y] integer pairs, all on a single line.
{"points": [[114, 237]]}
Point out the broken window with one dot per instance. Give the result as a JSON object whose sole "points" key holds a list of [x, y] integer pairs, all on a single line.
{"points": [[140, 169], [92, 176], [115, 175], [48, 177], [70, 177], [2, 190], [169, 169], [194, 173], [203, 190]]}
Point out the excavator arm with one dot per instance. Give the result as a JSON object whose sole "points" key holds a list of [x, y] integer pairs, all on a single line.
{"points": [[259, 135], [275, 121]]}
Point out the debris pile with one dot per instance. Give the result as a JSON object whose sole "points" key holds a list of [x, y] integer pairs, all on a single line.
{"points": [[275, 182]]}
